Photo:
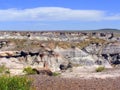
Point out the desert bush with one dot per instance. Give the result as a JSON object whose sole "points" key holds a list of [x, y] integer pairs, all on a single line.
{"points": [[15, 83], [29, 70], [100, 69], [7, 71], [55, 74]]}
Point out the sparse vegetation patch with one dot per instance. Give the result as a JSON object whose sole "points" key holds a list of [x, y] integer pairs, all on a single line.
{"points": [[100, 69]]}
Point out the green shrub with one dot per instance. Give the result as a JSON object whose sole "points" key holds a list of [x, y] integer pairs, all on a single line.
{"points": [[56, 74], [100, 69], [15, 83], [2, 68], [29, 70]]}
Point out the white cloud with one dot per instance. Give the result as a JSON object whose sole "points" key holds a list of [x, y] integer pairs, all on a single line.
{"points": [[54, 14], [113, 17]]}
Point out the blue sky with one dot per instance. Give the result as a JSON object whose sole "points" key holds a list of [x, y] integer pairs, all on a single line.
{"points": [[59, 14]]}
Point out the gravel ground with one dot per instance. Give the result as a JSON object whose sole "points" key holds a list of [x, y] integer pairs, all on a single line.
{"points": [[58, 83], [79, 79]]}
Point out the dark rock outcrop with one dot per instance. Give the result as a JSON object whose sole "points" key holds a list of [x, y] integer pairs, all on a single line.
{"points": [[43, 72]]}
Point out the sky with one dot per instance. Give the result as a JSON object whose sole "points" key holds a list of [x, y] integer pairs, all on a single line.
{"points": [[39, 15]]}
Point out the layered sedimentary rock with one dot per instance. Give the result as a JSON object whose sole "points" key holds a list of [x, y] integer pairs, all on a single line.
{"points": [[111, 52], [58, 50]]}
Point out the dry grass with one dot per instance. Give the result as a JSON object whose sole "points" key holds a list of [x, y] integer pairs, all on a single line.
{"points": [[25, 44], [89, 41]]}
